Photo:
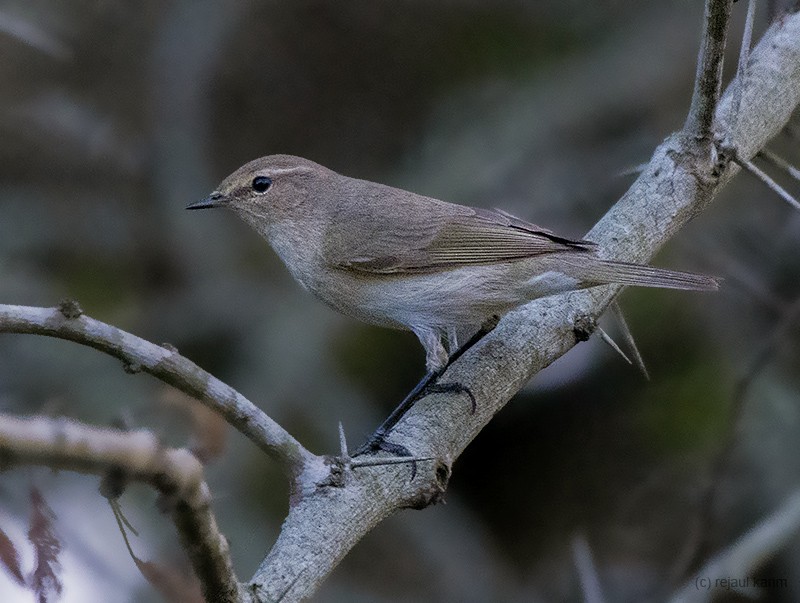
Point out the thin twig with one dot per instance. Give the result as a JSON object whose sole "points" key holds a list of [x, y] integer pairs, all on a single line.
{"points": [[175, 473], [165, 363], [771, 184], [744, 58], [708, 79]]}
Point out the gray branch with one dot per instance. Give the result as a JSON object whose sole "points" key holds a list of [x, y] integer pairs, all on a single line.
{"points": [[333, 506], [682, 178], [708, 81], [166, 364], [175, 473]]}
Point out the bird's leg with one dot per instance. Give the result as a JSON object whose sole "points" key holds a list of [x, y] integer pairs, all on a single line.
{"points": [[486, 328], [377, 441], [428, 384]]}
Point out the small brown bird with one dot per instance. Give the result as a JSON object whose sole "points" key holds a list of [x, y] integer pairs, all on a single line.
{"points": [[397, 259]]}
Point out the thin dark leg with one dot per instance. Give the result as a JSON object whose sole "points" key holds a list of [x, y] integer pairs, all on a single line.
{"points": [[485, 329], [377, 441]]}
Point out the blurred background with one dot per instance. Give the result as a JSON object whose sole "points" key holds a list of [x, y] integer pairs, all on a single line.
{"points": [[115, 115]]}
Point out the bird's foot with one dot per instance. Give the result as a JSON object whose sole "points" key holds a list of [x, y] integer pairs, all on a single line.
{"points": [[377, 442]]}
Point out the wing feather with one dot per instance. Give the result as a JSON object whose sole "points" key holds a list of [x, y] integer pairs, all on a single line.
{"points": [[407, 233]]}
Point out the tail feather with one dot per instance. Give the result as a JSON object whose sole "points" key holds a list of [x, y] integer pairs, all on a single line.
{"points": [[602, 272]]}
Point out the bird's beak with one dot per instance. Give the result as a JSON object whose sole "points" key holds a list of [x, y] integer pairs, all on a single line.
{"points": [[213, 200]]}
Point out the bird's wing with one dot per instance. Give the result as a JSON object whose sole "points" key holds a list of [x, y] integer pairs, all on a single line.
{"points": [[404, 233]]}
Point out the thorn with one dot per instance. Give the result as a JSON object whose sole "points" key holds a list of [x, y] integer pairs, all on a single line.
{"points": [[391, 460], [343, 443], [771, 184], [607, 338], [633, 170], [778, 161], [628, 336]]}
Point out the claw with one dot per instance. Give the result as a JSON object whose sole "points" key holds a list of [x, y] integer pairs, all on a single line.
{"points": [[377, 443], [453, 388]]}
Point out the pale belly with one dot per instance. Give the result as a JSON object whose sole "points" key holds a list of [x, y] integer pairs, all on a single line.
{"points": [[452, 298]]}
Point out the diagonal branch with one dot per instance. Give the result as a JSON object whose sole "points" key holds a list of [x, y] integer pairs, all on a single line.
{"points": [[175, 473], [166, 364], [681, 179], [708, 80]]}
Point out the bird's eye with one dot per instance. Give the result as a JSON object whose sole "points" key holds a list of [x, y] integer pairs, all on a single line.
{"points": [[261, 184]]}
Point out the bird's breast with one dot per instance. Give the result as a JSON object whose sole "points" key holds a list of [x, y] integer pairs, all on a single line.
{"points": [[450, 298]]}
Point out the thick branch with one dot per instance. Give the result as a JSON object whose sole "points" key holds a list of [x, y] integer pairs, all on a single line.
{"points": [[708, 80], [175, 473], [679, 182], [166, 364]]}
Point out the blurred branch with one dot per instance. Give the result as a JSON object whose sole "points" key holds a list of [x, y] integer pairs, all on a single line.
{"points": [[587, 571], [699, 544], [166, 364], [32, 35], [682, 178], [175, 473], [708, 80], [744, 556]]}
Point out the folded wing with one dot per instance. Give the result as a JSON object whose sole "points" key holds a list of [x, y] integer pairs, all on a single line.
{"points": [[413, 234]]}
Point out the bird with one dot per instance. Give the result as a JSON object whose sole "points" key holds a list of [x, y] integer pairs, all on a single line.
{"points": [[393, 258]]}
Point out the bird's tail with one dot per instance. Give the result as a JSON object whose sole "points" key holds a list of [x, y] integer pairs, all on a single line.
{"points": [[601, 272]]}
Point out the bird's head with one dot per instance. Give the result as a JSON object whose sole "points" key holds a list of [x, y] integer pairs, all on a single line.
{"points": [[270, 189]]}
